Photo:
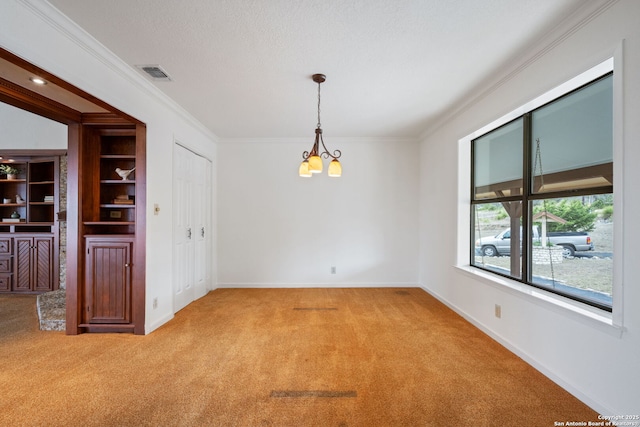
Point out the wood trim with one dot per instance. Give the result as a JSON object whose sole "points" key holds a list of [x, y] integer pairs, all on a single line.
{"points": [[25, 99], [56, 227], [139, 249], [106, 328], [105, 119], [31, 153], [51, 78], [75, 270]]}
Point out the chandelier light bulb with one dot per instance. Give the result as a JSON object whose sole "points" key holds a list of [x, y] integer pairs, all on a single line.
{"points": [[315, 164], [335, 169], [304, 169]]}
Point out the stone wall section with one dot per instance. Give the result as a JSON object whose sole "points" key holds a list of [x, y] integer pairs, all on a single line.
{"points": [[63, 224], [548, 255]]}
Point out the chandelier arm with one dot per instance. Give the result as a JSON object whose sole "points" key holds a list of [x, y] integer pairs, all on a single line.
{"points": [[314, 150], [336, 153]]}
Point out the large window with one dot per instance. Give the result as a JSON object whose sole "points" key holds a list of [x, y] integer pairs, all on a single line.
{"points": [[542, 196]]}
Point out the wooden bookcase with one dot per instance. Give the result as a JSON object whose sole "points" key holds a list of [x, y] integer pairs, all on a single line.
{"points": [[110, 207], [112, 228], [29, 232]]}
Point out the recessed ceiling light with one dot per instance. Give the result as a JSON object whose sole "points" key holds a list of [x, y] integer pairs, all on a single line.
{"points": [[38, 80]]}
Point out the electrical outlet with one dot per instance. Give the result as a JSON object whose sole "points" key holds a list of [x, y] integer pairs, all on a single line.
{"points": [[333, 269], [155, 303], [498, 311]]}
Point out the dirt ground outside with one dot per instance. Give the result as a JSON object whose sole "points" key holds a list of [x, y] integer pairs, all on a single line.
{"points": [[583, 272]]}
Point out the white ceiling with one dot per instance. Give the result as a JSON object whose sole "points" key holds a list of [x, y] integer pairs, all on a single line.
{"points": [[243, 67]]}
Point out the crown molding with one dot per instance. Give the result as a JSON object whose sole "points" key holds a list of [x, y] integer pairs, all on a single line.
{"points": [[52, 17], [331, 141], [565, 29]]}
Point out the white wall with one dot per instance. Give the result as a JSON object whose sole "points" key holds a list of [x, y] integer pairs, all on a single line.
{"points": [[22, 130], [278, 229], [38, 33], [599, 364]]}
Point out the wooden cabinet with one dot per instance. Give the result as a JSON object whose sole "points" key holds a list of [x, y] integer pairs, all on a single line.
{"points": [[6, 264], [33, 263], [111, 202], [108, 280], [29, 235]]}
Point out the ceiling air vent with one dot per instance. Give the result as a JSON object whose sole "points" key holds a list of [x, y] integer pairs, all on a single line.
{"points": [[155, 72]]}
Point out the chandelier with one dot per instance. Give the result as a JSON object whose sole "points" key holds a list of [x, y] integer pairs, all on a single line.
{"points": [[312, 161]]}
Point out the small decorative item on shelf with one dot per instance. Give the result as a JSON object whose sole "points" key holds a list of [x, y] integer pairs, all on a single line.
{"points": [[19, 200], [124, 174], [48, 199], [6, 201], [9, 170], [14, 217], [122, 199]]}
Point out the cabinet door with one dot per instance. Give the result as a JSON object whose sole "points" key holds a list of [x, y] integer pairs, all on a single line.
{"points": [[42, 264], [108, 281], [23, 271], [5, 282], [34, 264], [5, 246]]}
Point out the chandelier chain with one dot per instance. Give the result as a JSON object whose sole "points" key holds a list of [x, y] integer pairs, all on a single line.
{"points": [[318, 105]]}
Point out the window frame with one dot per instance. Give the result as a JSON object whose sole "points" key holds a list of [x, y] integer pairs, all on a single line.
{"points": [[614, 315]]}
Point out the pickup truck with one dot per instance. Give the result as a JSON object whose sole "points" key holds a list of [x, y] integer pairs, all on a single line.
{"points": [[500, 244]]}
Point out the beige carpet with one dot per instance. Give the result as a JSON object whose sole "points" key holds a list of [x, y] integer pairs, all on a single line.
{"points": [[276, 357]]}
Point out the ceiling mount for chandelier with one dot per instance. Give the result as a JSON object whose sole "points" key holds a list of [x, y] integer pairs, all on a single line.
{"points": [[312, 161]]}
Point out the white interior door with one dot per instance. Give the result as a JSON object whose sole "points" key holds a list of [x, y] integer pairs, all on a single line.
{"points": [[183, 243], [200, 213], [192, 237]]}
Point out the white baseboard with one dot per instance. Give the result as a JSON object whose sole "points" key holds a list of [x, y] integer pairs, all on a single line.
{"points": [[319, 285], [596, 406], [148, 328]]}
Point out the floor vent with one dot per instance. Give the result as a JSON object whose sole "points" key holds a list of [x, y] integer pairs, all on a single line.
{"points": [[155, 72], [313, 393]]}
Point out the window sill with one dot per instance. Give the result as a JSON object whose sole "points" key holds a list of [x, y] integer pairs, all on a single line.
{"points": [[580, 312]]}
